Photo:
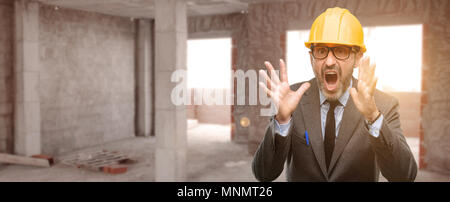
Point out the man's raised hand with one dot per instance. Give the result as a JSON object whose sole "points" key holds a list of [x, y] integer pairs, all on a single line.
{"points": [[363, 94], [285, 99]]}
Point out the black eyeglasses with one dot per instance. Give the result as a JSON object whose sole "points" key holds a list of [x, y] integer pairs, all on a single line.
{"points": [[340, 52]]}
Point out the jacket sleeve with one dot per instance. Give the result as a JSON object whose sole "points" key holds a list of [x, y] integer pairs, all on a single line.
{"points": [[393, 154], [268, 162]]}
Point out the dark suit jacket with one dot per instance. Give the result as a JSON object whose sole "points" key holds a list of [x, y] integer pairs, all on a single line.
{"points": [[357, 156]]}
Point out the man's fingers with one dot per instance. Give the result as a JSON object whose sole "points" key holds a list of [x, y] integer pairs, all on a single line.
{"points": [[365, 89], [367, 64], [268, 66], [269, 82], [275, 77], [369, 76], [373, 86], [273, 74], [300, 91], [366, 71], [360, 84], [283, 71], [354, 94], [261, 84], [371, 73], [361, 69]]}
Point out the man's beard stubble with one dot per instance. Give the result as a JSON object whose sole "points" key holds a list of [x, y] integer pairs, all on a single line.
{"points": [[343, 79]]}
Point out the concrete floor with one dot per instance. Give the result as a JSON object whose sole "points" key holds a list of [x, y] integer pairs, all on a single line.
{"points": [[211, 157]]}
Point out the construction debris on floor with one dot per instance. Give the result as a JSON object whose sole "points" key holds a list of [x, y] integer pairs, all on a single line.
{"points": [[37, 160], [111, 162]]}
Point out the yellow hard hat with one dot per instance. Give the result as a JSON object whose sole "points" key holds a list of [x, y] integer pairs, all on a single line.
{"points": [[337, 26]]}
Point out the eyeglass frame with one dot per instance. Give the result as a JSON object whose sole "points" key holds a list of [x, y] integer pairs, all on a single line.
{"points": [[353, 49]]}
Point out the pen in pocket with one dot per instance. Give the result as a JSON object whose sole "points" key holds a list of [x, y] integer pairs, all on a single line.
{"points": [[306, 137]]}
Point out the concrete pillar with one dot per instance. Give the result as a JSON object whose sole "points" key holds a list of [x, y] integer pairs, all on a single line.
{"points": [[144, 78], [27, 116], [170, 120]]}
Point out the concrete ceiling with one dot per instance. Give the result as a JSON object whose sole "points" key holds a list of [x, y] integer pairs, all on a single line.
{"points": [[145, 8]]}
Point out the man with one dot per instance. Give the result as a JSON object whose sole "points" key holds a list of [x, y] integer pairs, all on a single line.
{"points": [[319, 131]]}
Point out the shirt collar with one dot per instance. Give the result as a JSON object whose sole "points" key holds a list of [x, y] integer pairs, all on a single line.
{"points": [[343, 99]]}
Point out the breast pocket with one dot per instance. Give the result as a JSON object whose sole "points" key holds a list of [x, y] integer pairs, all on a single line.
{"points": [[300, 138]]}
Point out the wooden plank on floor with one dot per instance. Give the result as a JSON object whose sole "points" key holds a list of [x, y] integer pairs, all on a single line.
{"points": [[22, 160]]}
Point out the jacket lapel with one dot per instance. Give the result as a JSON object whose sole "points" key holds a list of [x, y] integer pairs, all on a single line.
{"points": [[350, 119], [310, 107]]}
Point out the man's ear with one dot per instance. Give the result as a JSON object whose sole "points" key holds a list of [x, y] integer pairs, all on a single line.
{"points": [[311, 58]]}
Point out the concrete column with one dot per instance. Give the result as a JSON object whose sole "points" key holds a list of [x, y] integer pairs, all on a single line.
{"points": [[170, 120], [27, 116], [144, 78]]}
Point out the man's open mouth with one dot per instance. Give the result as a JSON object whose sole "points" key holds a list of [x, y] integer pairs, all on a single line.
{"points": [[331, 80]]}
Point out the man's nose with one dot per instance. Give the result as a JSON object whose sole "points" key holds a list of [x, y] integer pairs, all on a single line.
{"points": [[330, 59]]}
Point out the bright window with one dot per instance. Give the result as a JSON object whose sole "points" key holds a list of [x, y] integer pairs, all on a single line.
{"points": [[397, 51], [209, 63]]}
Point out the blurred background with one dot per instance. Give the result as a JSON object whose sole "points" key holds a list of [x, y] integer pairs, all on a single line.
{"points": [[80, 76]]}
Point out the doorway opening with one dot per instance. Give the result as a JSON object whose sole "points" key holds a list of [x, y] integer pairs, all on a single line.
{"points": [[209, 73]]}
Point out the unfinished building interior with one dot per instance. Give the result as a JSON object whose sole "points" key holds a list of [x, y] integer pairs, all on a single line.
{"points": [[77, 75]]}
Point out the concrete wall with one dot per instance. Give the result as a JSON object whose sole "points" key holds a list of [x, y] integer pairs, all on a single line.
{"points": [[6, 76], [191, 111], [409, 112], [258, 36], [214, 114], [435, 136], [87, 87]]}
